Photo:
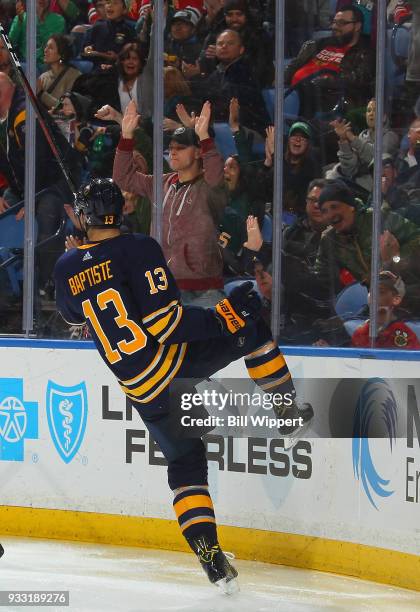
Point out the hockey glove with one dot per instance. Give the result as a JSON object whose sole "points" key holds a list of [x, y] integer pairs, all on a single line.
{"points": [[242, 304]]}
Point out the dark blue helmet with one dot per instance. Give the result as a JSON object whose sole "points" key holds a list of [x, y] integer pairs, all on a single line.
{"points": [[101, 201]]}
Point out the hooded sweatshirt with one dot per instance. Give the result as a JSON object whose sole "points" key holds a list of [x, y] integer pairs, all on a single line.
{"points": [[189, 225]]}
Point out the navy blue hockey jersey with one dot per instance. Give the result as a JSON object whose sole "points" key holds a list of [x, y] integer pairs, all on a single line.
{"points": [[124, 290]]}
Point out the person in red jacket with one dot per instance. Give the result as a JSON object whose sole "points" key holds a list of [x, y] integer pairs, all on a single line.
{"points": [[393, 332]]}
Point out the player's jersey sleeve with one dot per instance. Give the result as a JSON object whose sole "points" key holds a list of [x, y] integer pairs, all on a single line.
{"points": [[66, 304], [158, 298]]}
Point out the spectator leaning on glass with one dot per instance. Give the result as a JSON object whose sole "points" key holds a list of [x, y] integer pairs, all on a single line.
{"points": [[189, 232], [48, 23], [60, 77]]}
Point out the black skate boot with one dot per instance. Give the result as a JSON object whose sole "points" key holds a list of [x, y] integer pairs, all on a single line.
{"points": [[1, 550], [302, 417], [216, 565]]}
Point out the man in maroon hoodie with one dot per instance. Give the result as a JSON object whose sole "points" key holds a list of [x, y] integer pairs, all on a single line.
{"points": [[189, 224]]}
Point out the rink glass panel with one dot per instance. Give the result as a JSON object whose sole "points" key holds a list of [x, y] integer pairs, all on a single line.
{"points": [[325, 290], [311, 314]]}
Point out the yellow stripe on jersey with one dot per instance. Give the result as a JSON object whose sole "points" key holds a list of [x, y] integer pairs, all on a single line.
{"points": [[147, 370], [173, 326], [172, 373], [160, 325], [160, 374], [165, 326], [87, 246], [159, 312]]}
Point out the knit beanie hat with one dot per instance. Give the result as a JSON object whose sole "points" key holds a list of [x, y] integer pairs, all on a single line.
{"points": [[337, 191], [236, 5]]}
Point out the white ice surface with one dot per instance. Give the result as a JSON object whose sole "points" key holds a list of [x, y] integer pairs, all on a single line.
{"points": [[120, 579]]}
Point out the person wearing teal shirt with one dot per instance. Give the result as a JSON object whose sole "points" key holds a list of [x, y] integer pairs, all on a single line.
{"points": [[47, 24]]}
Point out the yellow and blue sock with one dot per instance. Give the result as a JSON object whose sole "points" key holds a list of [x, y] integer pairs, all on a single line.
{"points": [[268, 368], [195, 513]]}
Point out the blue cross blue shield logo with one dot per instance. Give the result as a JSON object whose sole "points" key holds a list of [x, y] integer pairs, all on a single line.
{"points": [[67, 415], [18, 419]]}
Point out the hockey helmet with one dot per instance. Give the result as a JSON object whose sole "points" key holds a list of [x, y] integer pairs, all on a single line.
{"points": [[101, 201]]}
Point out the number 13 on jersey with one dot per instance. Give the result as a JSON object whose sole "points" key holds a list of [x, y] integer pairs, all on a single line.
{"points": [[103, 299]]}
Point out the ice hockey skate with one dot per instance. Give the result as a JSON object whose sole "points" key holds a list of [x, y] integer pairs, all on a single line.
{"points": [[293, 433], [216, 565]]}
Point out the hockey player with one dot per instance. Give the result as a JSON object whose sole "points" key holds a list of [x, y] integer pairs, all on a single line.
{"points": [[121, 286]]}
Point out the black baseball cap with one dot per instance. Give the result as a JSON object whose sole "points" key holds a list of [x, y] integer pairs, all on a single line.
{"points": [[336, 191], [185, 136]]}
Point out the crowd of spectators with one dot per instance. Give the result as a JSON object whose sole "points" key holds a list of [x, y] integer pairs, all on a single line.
{"points": [[95, 83]]}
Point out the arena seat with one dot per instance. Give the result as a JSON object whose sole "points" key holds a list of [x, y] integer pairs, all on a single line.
{"points": [[267, 228], [352, 324], [291, 104], [398, 45], [415, 327], [351, 300], [224, 139], [11, 249]]}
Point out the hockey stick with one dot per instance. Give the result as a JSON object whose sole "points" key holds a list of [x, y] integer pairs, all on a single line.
{"points": [[36, 106]]}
